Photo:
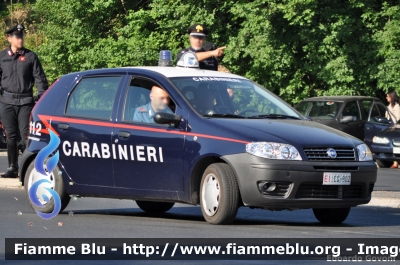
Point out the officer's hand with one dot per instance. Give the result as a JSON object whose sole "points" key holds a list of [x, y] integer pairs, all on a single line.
{"points": [[219, 51]]}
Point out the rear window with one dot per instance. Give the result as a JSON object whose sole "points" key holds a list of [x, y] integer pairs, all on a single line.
{"points": [[93, 97], [321, 110]]}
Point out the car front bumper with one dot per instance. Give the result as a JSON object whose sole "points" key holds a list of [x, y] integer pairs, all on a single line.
{"points": [[299, 183], [384, 152]]}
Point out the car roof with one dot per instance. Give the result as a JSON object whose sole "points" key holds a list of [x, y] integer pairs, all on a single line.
{"points": [[166, 71], [182, 72], [341, 98]]}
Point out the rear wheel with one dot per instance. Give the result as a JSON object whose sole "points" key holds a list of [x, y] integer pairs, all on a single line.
{"points": [[219, 194], [384, 163], [331, 215], [155, 207], [56, 184]]}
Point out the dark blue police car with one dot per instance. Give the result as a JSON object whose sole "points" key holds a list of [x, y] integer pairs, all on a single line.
{"points": [[225, 142]]}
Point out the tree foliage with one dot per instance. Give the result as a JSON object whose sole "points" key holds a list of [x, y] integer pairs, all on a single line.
{"points": [[296, 48]]}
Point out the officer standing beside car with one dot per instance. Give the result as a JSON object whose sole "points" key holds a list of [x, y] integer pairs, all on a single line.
{"points": [[20, 68], [205, 56]]}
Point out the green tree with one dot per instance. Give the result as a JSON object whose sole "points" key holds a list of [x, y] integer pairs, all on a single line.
{"points": [[296, 48]]}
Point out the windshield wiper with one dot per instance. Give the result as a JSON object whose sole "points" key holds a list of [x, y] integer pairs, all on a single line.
{"points": [[275, 116], [219, 115]]}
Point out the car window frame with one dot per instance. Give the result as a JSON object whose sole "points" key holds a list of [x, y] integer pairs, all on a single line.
{"points": [[125, 96], [358, 106], [381, 123], [70, 93], [369, 108]]}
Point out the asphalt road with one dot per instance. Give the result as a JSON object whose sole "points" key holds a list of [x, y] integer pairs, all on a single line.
{"points": [[388, 180], [111, 218]]}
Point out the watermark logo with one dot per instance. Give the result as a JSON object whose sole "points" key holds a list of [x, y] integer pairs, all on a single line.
{"points": [[45, 163]]}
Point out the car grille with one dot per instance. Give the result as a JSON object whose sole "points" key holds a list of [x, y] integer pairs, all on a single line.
{"points": [[320, 153], [319, 191], [334, 168]]}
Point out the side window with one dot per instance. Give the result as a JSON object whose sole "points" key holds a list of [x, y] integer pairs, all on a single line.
{"points": [[351, 111], [143, 99], [375, 113], [93, 97], [382, 110], [365, 107]]}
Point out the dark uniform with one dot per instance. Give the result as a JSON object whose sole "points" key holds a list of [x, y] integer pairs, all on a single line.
{"points": [[208, 64], [19, 71]]}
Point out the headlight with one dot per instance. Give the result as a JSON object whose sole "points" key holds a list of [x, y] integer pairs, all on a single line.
{"points": [[380, 140], [273, 150], [364, 154]]}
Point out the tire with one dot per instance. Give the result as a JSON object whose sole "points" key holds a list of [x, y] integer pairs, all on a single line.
{"points": [[155, 207], [384, 163], [219, 194], [331, 215], [57, 185]]}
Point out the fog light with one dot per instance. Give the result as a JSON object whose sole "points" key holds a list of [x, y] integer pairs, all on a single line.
{"points": [[267, 186]]}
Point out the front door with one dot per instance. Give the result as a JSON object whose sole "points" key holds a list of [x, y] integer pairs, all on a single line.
{"points": [[149, 156], [351, 121], [376, 122], [85, 131]]}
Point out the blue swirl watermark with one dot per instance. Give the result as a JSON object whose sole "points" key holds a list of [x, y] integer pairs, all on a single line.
{"points": [[42, 171]]}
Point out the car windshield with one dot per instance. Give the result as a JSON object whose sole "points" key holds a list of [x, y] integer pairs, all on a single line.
{"points": [[232, 98], [319, 110]]}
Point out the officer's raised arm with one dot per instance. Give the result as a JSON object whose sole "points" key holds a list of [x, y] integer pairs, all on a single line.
{"points": [[201, 56]]}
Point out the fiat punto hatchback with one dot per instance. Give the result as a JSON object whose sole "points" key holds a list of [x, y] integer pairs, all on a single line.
{"points": [[166, 135]]}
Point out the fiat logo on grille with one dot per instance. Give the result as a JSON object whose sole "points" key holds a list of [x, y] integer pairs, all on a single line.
{"points": [[331, 153]]}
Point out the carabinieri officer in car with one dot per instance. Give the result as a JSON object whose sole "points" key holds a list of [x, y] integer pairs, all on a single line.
{"points": [[20, 68], [205, 56]]}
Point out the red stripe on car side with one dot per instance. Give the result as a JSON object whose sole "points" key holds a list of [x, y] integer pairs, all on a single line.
{"points": [[46, 118]]}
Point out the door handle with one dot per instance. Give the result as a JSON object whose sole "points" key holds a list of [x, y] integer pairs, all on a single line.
{"points": [[63, 126], [124, 134]]}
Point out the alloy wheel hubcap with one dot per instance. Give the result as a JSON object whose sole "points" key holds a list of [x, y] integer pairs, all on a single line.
{"points": [[210, 194], [35, 176]]}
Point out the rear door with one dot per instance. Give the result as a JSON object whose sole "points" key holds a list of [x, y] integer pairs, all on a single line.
{"points": [[85, 130], [351, 121], [149, 155], [376, 121]]}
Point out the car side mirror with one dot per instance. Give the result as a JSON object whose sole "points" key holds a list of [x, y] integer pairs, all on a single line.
{"points": [[383, 120], [167, 118], [346, 119]]}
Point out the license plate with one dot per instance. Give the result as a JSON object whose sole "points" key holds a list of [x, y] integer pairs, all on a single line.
{"points": [[336, 178], [396, 150]]}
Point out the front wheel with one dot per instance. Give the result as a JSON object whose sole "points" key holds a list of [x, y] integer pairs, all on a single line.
{"points": [[331, 215], [56, 183], [155, 207], [219, 194]]}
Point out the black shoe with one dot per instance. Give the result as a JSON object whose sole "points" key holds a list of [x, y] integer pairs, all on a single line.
{"points": [[12, 153], [10, 173]]}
